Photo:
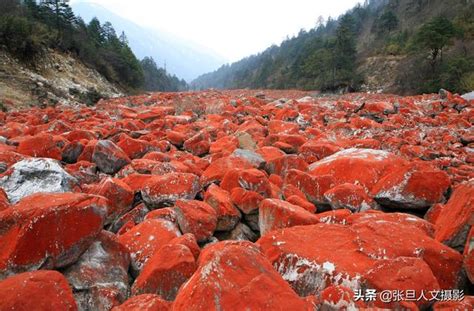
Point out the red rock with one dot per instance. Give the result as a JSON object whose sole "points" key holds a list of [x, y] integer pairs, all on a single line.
{"points": [[49, 230], [456, 218], [165, 272], [109, 157], [467, 303], [246, 201], [227, 214], [337, 298], [469, 256], [199, 144], [134, 148], [280, 166], [250, 179], [313, 151], [270, 153], [281, 127], [137, 182], [10, 157], [144, 239], [119, 194], [402, 274], [134, 217], [216, 171], [339, 216], [406, 220], [412, 187], [167, 189], [352, 197], [363, 167], [41, 146], [196, 217], [278, 214], [4, 202], [297, 200], [39, 290], [226, 144], [175, 138], [83, 171], [100, 276], [313, 187], [145, 302], [188, 240], [310, 263], [220, 275]]}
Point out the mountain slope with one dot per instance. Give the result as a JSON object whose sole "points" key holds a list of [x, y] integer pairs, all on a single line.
{"points": [[373, 46], [183, 58], [57, 78]]}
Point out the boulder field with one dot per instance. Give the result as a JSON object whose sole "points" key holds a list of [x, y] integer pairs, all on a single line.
{"points": [[239, 200]]}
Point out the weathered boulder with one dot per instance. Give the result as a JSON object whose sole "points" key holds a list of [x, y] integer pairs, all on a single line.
{"points": [[99, 277], [167, 189], [196, 217], [36, 175], [47, 231], [38, 290], [144, 239], [221, 275], [109, 157]]}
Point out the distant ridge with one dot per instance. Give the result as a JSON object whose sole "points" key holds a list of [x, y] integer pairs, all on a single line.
{"points": [[185, 59]]}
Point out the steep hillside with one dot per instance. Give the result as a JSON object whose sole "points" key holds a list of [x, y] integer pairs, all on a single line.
{"points": [[404, 46], [57, 78], [183, 58]]}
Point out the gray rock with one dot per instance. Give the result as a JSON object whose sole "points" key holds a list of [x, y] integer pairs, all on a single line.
{"points": [[468, 96], [241, 232], [254, 158], [100, 271], [108, 157], [36, 175]]}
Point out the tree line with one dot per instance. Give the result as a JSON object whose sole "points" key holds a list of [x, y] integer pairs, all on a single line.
{"points": [[28, 28], [434, 51]]}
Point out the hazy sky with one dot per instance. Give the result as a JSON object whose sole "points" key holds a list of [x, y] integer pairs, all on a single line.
{"points": [[232, 28]]}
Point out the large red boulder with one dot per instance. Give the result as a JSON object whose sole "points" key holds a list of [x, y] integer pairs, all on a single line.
{"points": [[49, 230], [227, 214], [412, 187], [218, 168], [364, 167], [312, 187], [278, 214], [196, 217], [38, 290], [41, 146], [144, 239], [119, 194], [250, 179], [314, 257], [134, 148], [166, 271], [349, 196], [237, 276], [457, 217], [167, 189], [280, 166]]}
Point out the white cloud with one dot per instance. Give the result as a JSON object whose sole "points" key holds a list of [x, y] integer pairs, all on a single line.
{"points": [[232, 28]]}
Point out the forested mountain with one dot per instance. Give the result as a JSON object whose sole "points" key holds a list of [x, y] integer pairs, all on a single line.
{"points": [[418, 45], [183, 58], [29, 29]]}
